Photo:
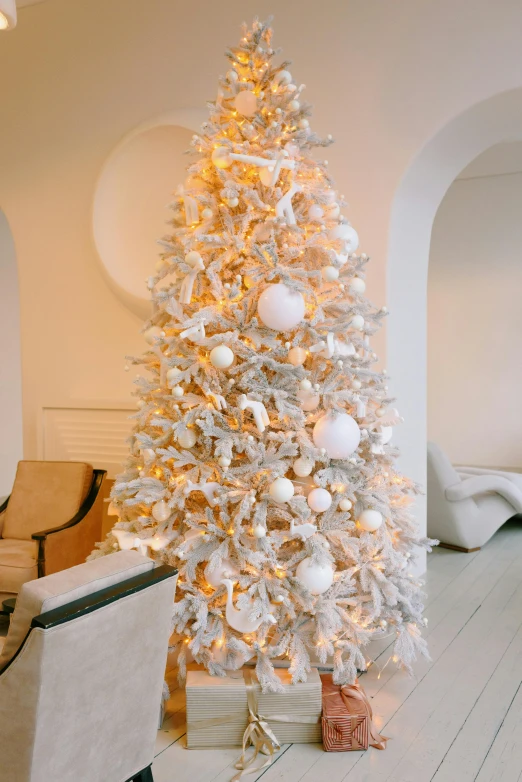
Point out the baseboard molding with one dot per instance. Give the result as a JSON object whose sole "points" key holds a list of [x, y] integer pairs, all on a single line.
{"points": [[459, 548]]}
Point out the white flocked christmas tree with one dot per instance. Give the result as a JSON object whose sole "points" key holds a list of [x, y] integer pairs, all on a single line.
{"points": [[260, 463]]}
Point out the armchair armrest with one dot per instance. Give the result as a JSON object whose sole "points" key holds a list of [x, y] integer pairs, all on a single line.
{"points": [[479, 484], [70, 543], [3, 508]]}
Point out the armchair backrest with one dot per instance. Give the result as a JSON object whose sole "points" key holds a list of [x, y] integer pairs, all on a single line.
{"points": [[81, 698], [441, 475], [45, 494]]}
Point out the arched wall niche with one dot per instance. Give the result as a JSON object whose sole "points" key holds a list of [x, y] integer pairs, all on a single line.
{"points": [[417, 199], [11, 438], [130, 208]]}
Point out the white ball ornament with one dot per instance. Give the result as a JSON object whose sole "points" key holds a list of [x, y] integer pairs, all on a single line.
{"points": [[187, 438], [329, 273], [315, 212], [178, 392], [259, 531], [294, 105], [280, 308], [224, 462], [232, 76], [207, 213], [347, 234], [193, 258], [161, 511], [221, 357], [309, 402], [356, 384], [233, 202], [152, 334], [357, 322], [370, 520], [316, 578], [281, 490], [297, 356], [283, 77], [345, 504], [245, 103], [357, 285], [339, 435], [220, 157], [303, 123], [303, 467], [172, 376], [305, 384], [319, 500], [333, 211]]}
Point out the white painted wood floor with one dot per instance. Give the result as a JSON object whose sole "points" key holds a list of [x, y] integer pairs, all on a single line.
{"points": [[459, 719]]}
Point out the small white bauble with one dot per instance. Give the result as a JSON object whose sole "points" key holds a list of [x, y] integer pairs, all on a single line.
{"points": [[224, 462], [193, 259], [148, 454], [345, 504], [370, 520], [178, 392], [161, 511], [305, 385], [283, 77], [221, 357], [340, 435], [259, 531], [303, 467], [294, 105], [227, 569], [233, 202], [279, 599], [357, 285], [281, 490], [141, 403], [220, 157], [152, 334], [297, 356], [319, 500], [245, 103], [316, 578], [329, 273], [173, 375], [357, 322], [315, 212], [303, 123], [232, 76], [356, 384], [380, 412], [347, 234], [280, 308], [187, 438], [207, 213]]}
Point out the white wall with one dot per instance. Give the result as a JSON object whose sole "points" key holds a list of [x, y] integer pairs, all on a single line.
{"points": [[10, 362], [475, 322], [384, 79]]}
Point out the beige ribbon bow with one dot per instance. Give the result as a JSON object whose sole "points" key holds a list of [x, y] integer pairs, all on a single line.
{"points": [[258, 733]]}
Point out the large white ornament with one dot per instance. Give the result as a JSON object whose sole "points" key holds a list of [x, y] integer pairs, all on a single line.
{"points": [[245, 103], [329, 273], [370, 520], [161, 511], [319, 500], [187, 438], [281, 490], [347, 234], [239, 618], [215, 576], [280, 308], [152, 334], [303, 467], [316, 578], [339, 435], [221, 357]]}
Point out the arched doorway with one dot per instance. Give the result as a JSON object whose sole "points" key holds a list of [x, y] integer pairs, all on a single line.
{"points": [[11, 446], [415, 205]]}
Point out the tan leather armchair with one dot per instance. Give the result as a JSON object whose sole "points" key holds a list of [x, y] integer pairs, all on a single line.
{"points": [[50, 522], [81, 672]]}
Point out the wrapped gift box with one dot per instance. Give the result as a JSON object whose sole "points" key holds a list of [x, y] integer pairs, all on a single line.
{"points": [[347, 718], [218, 714]]}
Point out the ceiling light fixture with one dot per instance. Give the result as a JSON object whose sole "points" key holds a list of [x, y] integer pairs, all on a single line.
{"points": [[7, 14]]}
